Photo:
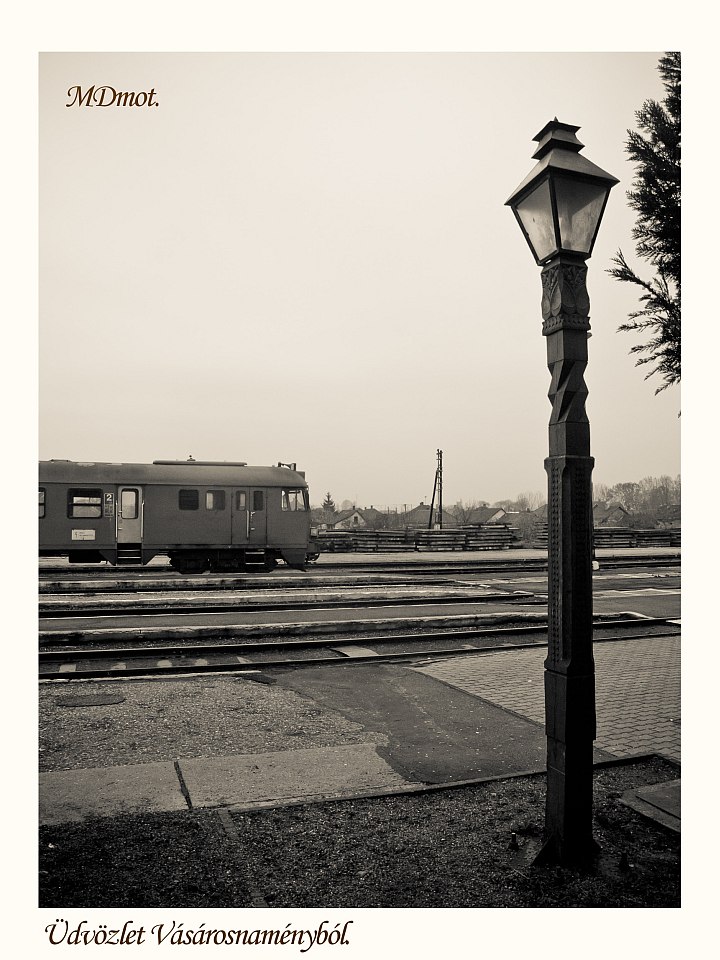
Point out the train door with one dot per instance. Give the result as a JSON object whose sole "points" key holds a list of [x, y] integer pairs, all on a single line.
{"points": [[129, 515], [249, 517]]}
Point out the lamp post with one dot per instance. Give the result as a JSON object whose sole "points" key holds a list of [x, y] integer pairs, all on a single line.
{"points": [[559, 206]]}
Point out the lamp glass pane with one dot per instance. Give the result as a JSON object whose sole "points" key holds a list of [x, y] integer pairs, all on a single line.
{"points": [[579, 208], [535, 213]]}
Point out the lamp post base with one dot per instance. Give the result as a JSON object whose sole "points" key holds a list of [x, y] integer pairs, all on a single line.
{"points": [[568, 812], [555, 852], [568, 807]]}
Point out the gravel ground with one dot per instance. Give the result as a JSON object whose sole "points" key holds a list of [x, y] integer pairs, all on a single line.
{"points": [[447, 848], [196, 717]]}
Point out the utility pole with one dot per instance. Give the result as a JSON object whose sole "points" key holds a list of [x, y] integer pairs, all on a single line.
{"points": [[439, 485], [437, 489]]}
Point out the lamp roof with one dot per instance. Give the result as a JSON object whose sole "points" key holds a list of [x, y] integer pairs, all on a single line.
{"points": [[559, 151], [557, 134]]}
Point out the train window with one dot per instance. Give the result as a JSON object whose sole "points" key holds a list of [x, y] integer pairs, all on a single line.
{"points": [[240, 500], [41, 501], [258, 500], [129, 504], [84, 503], [188, 499], [215, 500], [294, 499]]}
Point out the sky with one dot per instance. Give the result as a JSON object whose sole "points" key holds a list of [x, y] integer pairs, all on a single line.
{"points": [[306, 258]]}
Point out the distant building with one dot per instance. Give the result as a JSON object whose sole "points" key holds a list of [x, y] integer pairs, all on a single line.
{"points": [[610, 515], [419, 517], [367, 518], [482, 514]]}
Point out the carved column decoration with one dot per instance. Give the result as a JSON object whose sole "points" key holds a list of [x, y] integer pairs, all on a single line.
{"points": [[569, 667]]}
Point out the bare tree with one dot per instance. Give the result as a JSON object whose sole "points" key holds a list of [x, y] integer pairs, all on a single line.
{"points": [[464, 511], [644, 499], [523, 501], [600, 492], [529, 501]]}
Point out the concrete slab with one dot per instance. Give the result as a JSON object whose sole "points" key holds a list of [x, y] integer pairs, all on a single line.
{"points": [[287, 775], [660, 802], [274, 623], [352, 650], [73, 795]]}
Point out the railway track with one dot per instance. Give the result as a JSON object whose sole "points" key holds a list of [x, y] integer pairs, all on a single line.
{"points": [[54, 571], [203, 584], [161, 606], [255, 656], [157, 598]]}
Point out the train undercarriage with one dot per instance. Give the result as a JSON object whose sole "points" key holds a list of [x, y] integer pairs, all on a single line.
{"points": [[225, 561]]}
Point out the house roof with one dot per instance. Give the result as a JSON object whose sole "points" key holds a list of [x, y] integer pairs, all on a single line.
{"points": [[420, 516], [369, 514], [485, 514], [603, 512]]}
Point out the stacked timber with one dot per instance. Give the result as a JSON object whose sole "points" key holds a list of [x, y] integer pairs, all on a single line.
{"points": [[540, 535], [334, 541], [669, 537], [490, 536], [627, 537], [452, 539], [391, 541], [364, 541], [486, 536], [380, 541], [614, 537]]}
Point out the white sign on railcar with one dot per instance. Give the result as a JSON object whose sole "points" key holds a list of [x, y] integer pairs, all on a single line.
{"points": [[83, 535]]}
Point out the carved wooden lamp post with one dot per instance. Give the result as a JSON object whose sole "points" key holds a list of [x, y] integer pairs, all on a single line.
{"points": [[559, 206]]}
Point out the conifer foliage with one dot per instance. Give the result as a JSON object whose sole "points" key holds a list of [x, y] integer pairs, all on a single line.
{"points": [[655, 196]]}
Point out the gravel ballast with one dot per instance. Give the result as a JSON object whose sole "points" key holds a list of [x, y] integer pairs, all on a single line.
{"points": [[195, 717]]}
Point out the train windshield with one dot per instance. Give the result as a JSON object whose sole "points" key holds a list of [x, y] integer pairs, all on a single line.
{"points": [[295, 499]]}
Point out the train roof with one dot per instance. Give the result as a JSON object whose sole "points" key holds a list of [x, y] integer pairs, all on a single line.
{"points": [[200, 472]]}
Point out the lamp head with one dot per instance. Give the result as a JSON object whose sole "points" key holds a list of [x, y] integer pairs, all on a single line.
{"points": [[560, 204]]}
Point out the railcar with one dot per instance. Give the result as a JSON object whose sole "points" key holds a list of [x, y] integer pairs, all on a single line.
{"points": [[204, 515]]}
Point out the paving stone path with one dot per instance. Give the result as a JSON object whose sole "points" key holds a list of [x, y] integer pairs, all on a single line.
{"points": [[637, 690]]}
